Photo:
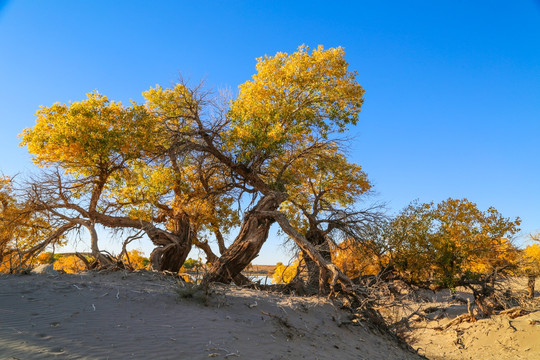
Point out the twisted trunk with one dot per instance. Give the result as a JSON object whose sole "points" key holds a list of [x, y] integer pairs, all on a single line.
{"points": [[172, 247], [248, 243]]}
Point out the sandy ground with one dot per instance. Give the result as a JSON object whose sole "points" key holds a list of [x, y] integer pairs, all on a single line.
{"points": [[142, 316], [499, 337]]}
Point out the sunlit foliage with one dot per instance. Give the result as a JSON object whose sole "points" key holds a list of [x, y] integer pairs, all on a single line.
{"points": [[531, 260], [284, 274], [293, 97], [442, 242], [87, 136], [71, 264], [45, 258], [136, 259], [355, 260]]}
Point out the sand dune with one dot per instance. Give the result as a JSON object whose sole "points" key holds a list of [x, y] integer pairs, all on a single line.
{"points": [[141, 316]]}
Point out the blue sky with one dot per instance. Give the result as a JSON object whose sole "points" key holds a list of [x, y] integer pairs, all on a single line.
{"points": [[452, 104]]}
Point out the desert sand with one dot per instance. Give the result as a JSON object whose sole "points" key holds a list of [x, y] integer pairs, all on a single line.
{"points": [[145, 315], [434, 331]]}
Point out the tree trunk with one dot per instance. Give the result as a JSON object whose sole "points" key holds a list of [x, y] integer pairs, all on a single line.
{"points": [[96, 253], [530, 286], [172, 247], [336, 275], [317, 276], [248, 243]]}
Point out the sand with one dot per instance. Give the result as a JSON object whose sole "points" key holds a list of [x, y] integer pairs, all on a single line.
{"points": [[499, 337], [142, 316]]}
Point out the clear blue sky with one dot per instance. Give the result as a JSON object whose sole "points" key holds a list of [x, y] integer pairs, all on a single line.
{"points": [[452, 104]]}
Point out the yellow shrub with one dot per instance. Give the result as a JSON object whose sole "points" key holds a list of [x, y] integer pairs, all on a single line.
{"points": [[285, 273], [136, 259], [70, 264]]}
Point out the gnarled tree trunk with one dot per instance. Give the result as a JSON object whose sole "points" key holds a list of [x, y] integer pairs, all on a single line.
{"points": [[100, 259], [317, 276], [248, 243], [327, 267], [172, 247]]}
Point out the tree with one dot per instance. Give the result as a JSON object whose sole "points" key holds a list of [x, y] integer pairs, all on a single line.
{"points": [[444, 242], [321, 203], [284, 274], [288, 112], [87, 144], [356, 259], [23, 231], [173, 166], [71, 264], [530, 264], [112, 165]]}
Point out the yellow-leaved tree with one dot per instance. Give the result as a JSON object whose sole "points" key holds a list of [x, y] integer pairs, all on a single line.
{"points": [[530, 264], [85, 147], [323, 191], [289, 112], [23, 232], [284, 274], [355, 259], [442, 243]]}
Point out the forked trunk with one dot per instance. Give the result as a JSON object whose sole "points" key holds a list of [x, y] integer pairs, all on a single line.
{"points": [[248, 243]]}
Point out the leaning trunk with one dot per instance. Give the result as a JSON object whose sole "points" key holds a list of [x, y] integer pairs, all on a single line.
{"points": [[336, 276], [248, 243]]}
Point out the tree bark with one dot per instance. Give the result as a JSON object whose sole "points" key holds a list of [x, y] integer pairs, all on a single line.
{"points": [[253, 233], [172, 247], [530, 285], [336, 275], [96, 253], [317, 276]]}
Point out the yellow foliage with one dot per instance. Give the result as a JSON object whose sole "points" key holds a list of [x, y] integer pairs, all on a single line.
{"points": [[354, 260], [292, 98], [70, 264], [87, 133], [445, 241], [323, 181], [45, 258], [531, 260], [284, 274], [497, 254], [137, 259]]}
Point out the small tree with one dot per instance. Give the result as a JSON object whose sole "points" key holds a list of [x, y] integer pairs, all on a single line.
{"points": [[530, 265]]}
